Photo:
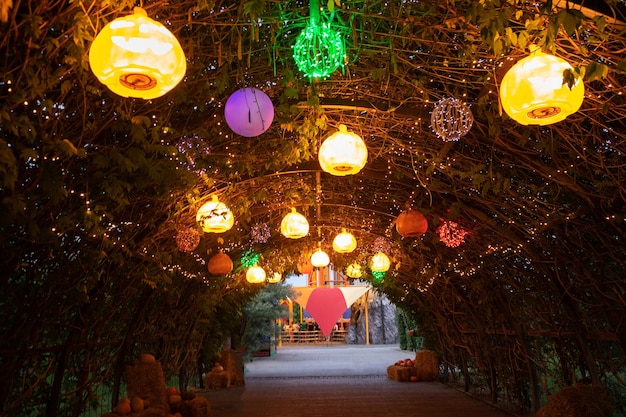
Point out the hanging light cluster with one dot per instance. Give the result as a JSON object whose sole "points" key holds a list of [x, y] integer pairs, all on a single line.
{"points": [[215, 217], [294, 225], [451, 119], [135, 56], [451, 233], [532, 92], [187, 239], [344, 242], [343, 153]]}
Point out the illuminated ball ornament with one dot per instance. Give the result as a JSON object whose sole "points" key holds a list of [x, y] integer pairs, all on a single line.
{"points": [[354, 270], [344, 242], [411, 223], [255, 275], [215, 217], [319, 50], [249, 112], [294, 225], [320, 259], [451, 119], [274, 278], [343, 153], [380, 262], [187, 239], [220, 264], [533, 93], [136, 56], [451, 233]]}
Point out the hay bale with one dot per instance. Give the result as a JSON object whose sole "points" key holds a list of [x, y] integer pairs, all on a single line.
{"points": [[217, 380], [146, 381], [400, 373], [578, 401], [426, 365], [197, 407], [233, 365]]}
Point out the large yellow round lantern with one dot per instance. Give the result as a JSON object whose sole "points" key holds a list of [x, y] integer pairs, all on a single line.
{"points": [[136, 56], [343, 153], [344, 242], [380, 262], [533, 93], [215, 217], [255, 275], [320, 259], [354, 270], [294, 225]]}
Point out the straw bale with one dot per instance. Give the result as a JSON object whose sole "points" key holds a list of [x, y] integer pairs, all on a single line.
{"points": [[400, 373], [217, 380], [197, 407], [146, 381], [233, 364], [578, 401], [426, 365]]}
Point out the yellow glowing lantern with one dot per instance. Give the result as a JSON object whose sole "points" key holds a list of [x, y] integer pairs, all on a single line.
{"points": [[215, 217], [343, 153], [533, 93], [136, 56], [380, 262], [344, 242], [274, 278], [294, 225], [255, 275], [354, 270], [319, 258]]}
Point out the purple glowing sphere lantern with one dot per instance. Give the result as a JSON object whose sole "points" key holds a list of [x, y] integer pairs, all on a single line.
{"points": [[249, 112]]}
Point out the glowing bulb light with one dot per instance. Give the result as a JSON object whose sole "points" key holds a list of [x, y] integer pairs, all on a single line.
{"points": [[215, 217], [343, 153], [354, 270], [533, 93], [294, 225], [320, 259], [255, 275], [249, 112], [135, 56], [380, 263], [344, 242]]}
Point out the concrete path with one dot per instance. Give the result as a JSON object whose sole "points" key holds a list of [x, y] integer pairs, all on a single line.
{"points": [[339, 381]]}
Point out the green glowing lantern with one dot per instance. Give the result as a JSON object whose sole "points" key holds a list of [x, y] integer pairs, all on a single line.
{"points": [[319, 50]]}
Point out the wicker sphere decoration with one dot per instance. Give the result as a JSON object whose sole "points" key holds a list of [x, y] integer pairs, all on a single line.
{"points": [[354, 270], [320, 259], [451, 233], [135, 56], [294, 225], [533, 93], [255, 275], [260, 233], [220, 264], [380, 262], [319, 50], [411, 223], [382, 244], [343, 153], [344, 242], [451, 119], [249, 112], [187, 239], [215, 217]]}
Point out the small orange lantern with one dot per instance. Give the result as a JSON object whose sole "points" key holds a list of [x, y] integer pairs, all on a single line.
{"points": [[220, 264], [344, 242], [294, 225], [343, 153], [136, 56], [255, 275], [411, 223], [380, 262], [215, 217]]}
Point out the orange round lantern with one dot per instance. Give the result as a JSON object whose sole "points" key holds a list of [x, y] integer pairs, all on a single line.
{"points": [[411, 223], [220, 264], [294, 225], [136, 56], [305, 267]]}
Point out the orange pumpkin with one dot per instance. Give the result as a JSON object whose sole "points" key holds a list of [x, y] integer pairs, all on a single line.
{"points": [[411, 223], [136, 404], [220, 264], [146, 358], [122, 408]]}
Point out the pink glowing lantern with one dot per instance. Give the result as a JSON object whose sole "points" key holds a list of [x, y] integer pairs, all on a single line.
{"points": [[249, 112]]}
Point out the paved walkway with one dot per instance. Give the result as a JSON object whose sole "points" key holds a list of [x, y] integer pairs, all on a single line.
{"points": [[339, 381]]}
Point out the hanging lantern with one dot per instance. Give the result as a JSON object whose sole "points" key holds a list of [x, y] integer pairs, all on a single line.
{"points": [[320, 259], [215, 217], [294, 225], [411, 223], [533, 93], [136, 56], [451, 233], [319, 50], [378, 277], [380, 263], [220, 264], [274, 278], [249, 112], [343, 153], [305, 267], [255, 275], [354, 270], [260, 233], [187, 239], [344, 242], [451, 119]]}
